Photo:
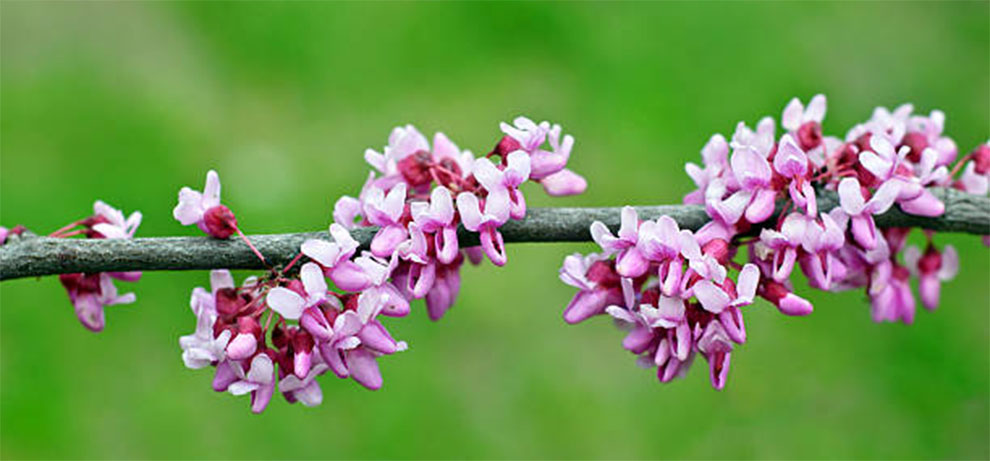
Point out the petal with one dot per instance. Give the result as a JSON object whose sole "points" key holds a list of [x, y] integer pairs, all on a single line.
{"points": [[313, 280], [348, 276], [585, 304], [261, 370], [243, 345], [564, 183], [762, 206], [815, 112], [363, 368], [494, 246], [285, 302], [467, 204], [387, 240], [875, 164], [487, 174], [442, 205], [220, 279], [749, 279], [883, 198], [925, 204], [950, 263], [211, 192], [712, 298], [375, 337], [850, 196], [190, 209], [321, 251], [750, 168], [793, 113], [630, 224]]}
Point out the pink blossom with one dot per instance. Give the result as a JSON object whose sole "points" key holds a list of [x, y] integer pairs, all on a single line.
{"points": [[258, 380], [860, 211], [203, 347], [932, 268], [437, 218], [205, 210], [386, 212], [486, 221], [630, 260], [306, 389], [597, 284], [89, 293]]}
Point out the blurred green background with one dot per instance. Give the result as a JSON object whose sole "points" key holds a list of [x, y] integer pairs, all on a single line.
{"points": [[127, 102]]}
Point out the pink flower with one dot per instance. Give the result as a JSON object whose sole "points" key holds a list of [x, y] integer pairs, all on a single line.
{"points": [[290, 304], [525, 134], [109, 222], [204, 209], [306, 389], [715, 155], [386, 211], [89, 293], [795, 114], [715, 295], [258, 380], [926, 133], [437, 218], [402, 142], [486, 221], [891, 299], [761, 140], [358, 339], [785, 244], [859, 210], [597, 284], [203, 348], [756, 197], [932, 268], [716, 346], [630, 260]]}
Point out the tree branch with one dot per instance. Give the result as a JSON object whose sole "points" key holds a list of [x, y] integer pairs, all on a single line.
{"points": [[30, 256]]}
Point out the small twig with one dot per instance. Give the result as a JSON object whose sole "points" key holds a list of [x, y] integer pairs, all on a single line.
{"points": [[37, 256]]}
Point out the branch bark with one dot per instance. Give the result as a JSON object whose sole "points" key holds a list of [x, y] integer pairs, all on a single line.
{"points": [[30, 256]]}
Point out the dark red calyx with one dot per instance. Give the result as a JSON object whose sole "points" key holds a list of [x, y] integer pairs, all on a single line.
{"points": [[220, 222], [229, 302], [415, 168], [917, 142], [809, 135], [603, 273], [505, 146], [981, 157], [931, 261]]}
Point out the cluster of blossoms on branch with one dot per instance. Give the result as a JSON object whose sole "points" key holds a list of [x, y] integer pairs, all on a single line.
{"points": [[286, 330], [672, 289], [91, 292], [679, 293]]}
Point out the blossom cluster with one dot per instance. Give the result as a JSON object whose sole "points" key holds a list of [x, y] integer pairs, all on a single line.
{"points": [[671, 287], [288, 329], [89, 293]]}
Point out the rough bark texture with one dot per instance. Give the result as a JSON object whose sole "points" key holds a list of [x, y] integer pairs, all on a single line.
{"points": [[35, 256]]}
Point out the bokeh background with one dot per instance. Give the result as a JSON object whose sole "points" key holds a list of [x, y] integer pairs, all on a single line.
{"points": [[129, 101]]}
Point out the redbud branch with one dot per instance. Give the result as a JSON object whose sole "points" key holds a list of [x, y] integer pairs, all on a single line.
{"points": [[29, 256]]}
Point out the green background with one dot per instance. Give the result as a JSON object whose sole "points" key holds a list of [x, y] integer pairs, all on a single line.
{"points": [[128, 102]]}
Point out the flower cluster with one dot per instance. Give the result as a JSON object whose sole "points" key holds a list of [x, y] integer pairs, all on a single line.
{"points": [[90, 292], [670, 287], [288, 330]]}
